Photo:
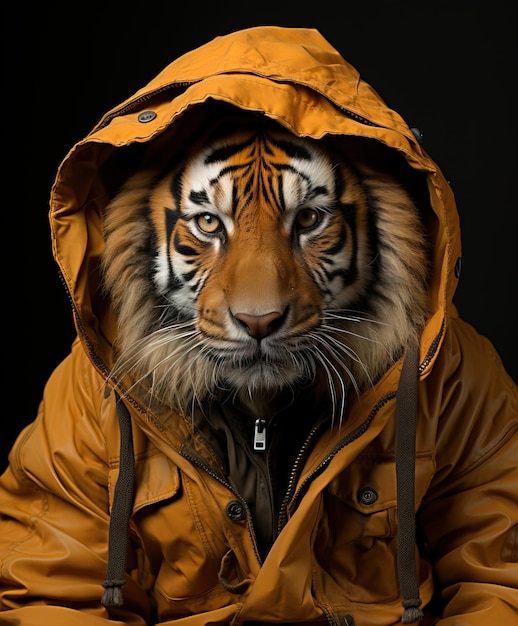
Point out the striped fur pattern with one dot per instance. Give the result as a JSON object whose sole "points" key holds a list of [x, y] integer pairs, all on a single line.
{"points": [[260, 262]]}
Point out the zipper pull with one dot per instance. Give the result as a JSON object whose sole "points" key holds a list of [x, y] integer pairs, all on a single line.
{"points": [[260, 434]]}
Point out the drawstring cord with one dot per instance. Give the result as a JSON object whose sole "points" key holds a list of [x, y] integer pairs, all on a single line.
{"points": [[121, 511], [406, 417]]}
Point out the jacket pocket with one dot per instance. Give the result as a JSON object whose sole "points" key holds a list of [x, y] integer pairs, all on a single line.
{"points": [[179, 541], [356, 541], [156, 479]]}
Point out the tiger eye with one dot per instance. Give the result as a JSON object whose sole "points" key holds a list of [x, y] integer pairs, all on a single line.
{"points": [[307, 218], [208, 223]]}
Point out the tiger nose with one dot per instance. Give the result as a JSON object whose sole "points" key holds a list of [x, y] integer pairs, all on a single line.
{"points": [[260, 326]]}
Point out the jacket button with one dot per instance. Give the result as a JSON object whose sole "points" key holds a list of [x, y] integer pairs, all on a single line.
{"points": [[417, 134], [367, 495], [235, 510], [348, 620], [146, 116], [458, 267]]}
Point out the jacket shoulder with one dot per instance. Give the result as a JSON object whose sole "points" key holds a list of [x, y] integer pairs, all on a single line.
{"points": [[474, 399]]}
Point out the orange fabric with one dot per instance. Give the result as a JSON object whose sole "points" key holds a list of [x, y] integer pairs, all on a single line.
{"points": [[188, 560]]}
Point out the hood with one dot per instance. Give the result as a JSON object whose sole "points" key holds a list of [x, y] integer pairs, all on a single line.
{"points": [[292, 75], [295, 77]]}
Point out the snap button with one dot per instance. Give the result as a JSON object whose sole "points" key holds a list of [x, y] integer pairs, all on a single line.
{"points": [[417, 134], [458, 267], [146, 116], [348, 620], [235, 510], [367, 496]]}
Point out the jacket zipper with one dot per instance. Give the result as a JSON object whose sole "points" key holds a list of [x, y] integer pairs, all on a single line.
{"points": [[199, 463], [97, 361], [432, 349], [330, 618], [291, 498], [134, 104], [149, 96], [260, 434], [95, 358]]}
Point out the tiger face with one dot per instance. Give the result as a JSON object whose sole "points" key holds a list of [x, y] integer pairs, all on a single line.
{"points": [[262, 261]]}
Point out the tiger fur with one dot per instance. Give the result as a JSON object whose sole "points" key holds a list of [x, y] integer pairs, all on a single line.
{"points": [[259, 262]]}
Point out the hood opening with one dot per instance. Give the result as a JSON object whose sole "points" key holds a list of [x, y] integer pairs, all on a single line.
{"points": [[102, 168], [169, 147]]}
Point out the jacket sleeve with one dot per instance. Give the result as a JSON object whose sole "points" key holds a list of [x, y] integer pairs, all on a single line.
{"points": [[54, 508], [470, 514]]}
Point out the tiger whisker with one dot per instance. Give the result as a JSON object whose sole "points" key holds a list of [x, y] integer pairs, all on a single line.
{"points": [[334, 396], [133, 359], [344, 347], [351, 353], [324, 340], [147, 346], [351, 315]]}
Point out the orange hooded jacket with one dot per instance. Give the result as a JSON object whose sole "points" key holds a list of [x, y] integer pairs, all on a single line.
{"points": [[346, 553]]}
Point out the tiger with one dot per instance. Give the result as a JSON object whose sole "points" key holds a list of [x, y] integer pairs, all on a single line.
{"points": [[256, 262]]}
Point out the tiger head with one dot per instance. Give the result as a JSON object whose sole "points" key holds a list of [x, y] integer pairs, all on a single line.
{"points": [[260, 262]]}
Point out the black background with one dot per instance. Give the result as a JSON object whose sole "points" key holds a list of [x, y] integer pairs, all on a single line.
{"points": [[448, 67]]}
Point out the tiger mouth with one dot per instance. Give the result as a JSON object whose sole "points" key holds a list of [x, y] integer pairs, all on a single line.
{"points": [[265, 374], [267, 367], [270, 353], [257, 357]]}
